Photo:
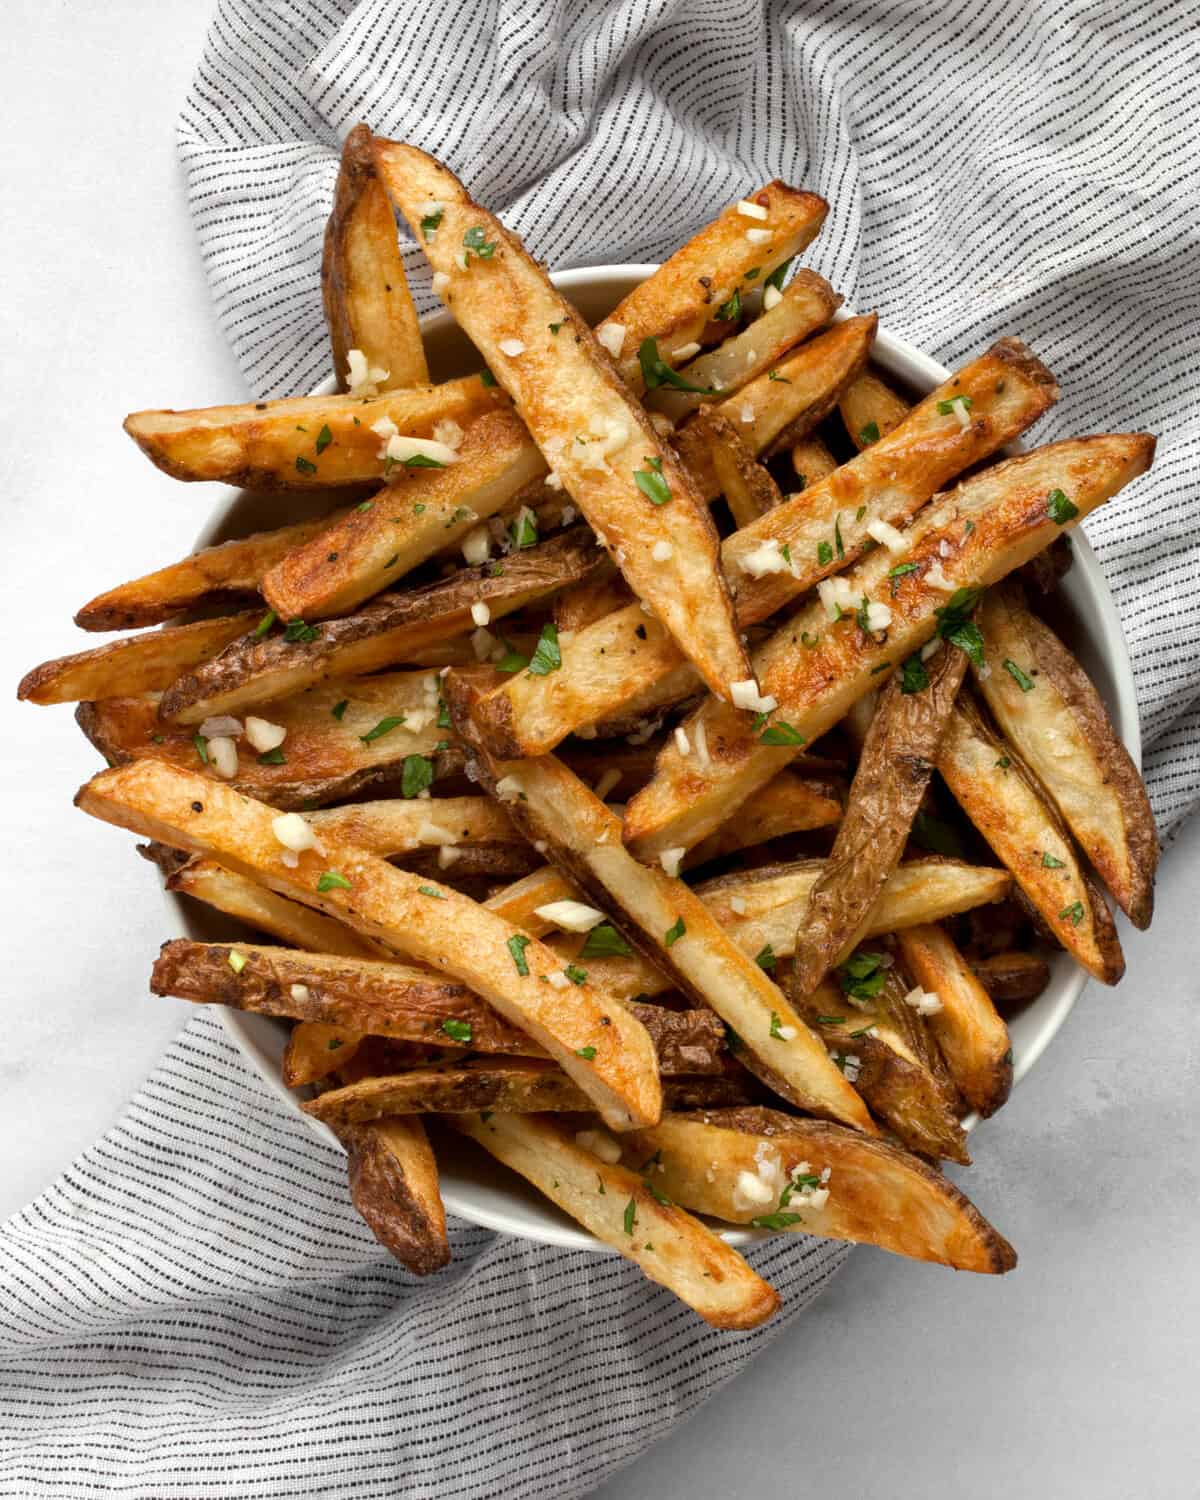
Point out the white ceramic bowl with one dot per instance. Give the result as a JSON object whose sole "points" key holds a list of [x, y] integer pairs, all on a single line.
{"points": [[473, 1185]]}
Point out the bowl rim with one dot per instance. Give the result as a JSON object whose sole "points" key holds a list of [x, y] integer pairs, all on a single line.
{"points": [[896, 355]]}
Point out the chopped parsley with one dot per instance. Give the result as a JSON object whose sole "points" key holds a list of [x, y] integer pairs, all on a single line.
{"points": [[511, 661], [913, 676], [460, 1031], [546, 657], [415, 775], [651, 482], [554, 327], [324, 438], [956, 626], [869, 434], [1019, 677], [837, 535], [332, 880], [486, 378], [431, 891], [1003, 763], [775, 1221], [431, 222], [273, 757], [862, 975], [304, 465], [731, 309], [831, 1020], [630, 1215], [524, 531], [783, 380], [776, 277], [1073, 913], [776, 1026], [604, 941], [297, 630], [947, 407], [824, 554], [443, 718], [674, 932], [781, 733], [201, 745], [765, 959], [1050, 863], [1059, 508], [656, 371], [476, 242], [517, 945], [575, 974], [810, 641], [264, 624], [385, 726], [587, 1053]]}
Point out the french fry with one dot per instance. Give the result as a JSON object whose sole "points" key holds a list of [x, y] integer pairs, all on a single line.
{"points": [[811, 461], [316, 1049], [134, 664], [1048, 709], [789, 804], [394, 1186], [807, 304], [1009, 977], [227, 575], [875, 1194], [748, 488], [508, 1085], [583, 603], [418, 513], [303, 442], [989, 525], [612, 1202], [1000, 796], [597, 1043], [886, 1050], [677, 304], [394, 826], [892, 777], [622, 655], [669, 924], [598, 439], [367, 301], [870, 409], [255, 670], [972, 1037], [325, 755]]}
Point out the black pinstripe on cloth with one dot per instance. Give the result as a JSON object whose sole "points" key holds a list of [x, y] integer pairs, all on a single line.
{"points": [[193, 1309]]}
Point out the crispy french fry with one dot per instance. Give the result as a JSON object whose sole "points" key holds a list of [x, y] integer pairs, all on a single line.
{"points": [[807, 304], [304, 442], [134, 664], [669, 924], [1046, 706], [316, 1049], [330, 751], [816, 669], [789, 804], [394, 826], [812, 462], [367, 301], [624, 654], [227, 575], [1000, 796], [418, 513], [600, 442], [892, 776], [394, 1186], [597, 1043], [972, 1037], [509, 1085], [670, 1246], [583, 603], [875, 1194], [748, 488], [871, 409], [254, 670]]}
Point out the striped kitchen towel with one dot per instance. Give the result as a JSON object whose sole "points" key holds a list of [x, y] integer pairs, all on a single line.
{"points": [[193, 1309]]}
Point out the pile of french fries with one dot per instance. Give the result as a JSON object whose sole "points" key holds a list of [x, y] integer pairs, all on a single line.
{"points": [[507, 760]]}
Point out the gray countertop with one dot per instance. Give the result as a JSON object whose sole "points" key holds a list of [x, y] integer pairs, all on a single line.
{"points": [[1075, 1375]]}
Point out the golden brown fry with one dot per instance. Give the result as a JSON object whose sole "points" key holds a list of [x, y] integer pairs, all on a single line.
{"points": [[445, 929], [508, 1085], [227, 575], [273, 445], [791, 803], [316, 1049], [597, 439], [877, 1194], [669, 1245], [1048, 708], [325, 755], [871, 409], [583, 603], [816, 669], [134, 664], [892, 777], [812, 462], [418, 513], [1000, 796], [367, 301], [395, 826], [972, 1037], [748, 489], [256, 670], [394, 1186]]}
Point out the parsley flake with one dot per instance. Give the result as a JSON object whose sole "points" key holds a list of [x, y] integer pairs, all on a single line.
{"points": [[651, 482], [604, 941], [517, 945], [547, 657], [1019, 677], [656, 371], [460, 1031], [332, 880], [416, 775], [674, 932]]}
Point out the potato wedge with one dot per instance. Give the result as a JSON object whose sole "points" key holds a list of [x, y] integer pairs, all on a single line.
{"points": [[367, 301], [239, 896], [450, 932], [811, 462], [596, 437], [1009, 977], [892, 777], [877, 1194], [134, 664], [418, 513], [972, 1037], [678, 303], [989, 525], [326, 754], [886, 1051], [612, 1202], [315, 1050], [669, 924], [303, 442], [626, 653], [870, 409], [1048, 708], [1000, 796], [748, 488], [226, 576], [808, 303], [394, 1187], [255, 670], [509, 1085]]}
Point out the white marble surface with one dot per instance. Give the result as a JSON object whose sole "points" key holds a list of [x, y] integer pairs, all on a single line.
{"points": [[1073, 1376]]}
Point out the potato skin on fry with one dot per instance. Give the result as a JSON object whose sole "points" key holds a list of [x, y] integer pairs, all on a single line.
{"points": [[394, 1186]]}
